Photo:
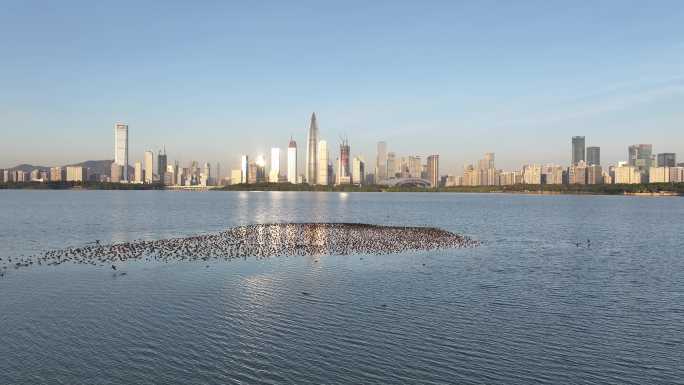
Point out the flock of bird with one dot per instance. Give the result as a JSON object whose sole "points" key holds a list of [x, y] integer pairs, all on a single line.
{"points": [[260, 241]]}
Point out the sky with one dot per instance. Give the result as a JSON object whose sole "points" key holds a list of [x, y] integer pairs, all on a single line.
{"points": [[210, 80]]}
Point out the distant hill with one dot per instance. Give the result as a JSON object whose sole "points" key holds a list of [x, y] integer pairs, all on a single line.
{"points": [[102, 167], [28, 168]]}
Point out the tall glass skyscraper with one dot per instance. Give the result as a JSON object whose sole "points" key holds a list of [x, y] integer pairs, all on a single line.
{"points": [[381, 163], [292, 162], [244, 169], [578, 149], [667, 159], [312, 152], [641, 156], [345, 169], [593, 156], [121, 147], [161, 165]]}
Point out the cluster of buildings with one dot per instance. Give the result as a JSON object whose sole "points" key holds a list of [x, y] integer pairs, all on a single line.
{"points": [[147, 171], [54, 174], [321, 169], [641, 166], [166, 174], [340, 168]]}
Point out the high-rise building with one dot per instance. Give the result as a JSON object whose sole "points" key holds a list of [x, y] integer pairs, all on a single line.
{"points": [[170, 174], [292, 162], [486, 174], [244, 168], [532, 174], [577, 173], [593, 156], [35, 175], [552, 174], [628, 174], [217, 175], [594, 174], [138, 177], [433, 170], [57, 174], [21, 176], [161, 165], [274, 173], [180, 176], [414, 167], [381, 163], [578, 149], [236, 176], [322, 162], [312, 151], [252, 172], [344, 170], [667, 159], [76, 174], [641, 156], [358, 171], [116, 173], [677, 174], [392, 166], [260, 169], [7, 176], [205, 176], [149, 166], [121, 147]]}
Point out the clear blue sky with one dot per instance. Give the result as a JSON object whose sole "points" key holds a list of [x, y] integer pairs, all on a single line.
{"points": [[211, 80]]}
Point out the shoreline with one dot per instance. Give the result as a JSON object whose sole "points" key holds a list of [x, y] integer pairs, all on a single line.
{"points": [[651, 190]]}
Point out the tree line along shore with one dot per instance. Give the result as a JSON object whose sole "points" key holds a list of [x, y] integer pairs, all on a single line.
{"points": [[603, 189]]}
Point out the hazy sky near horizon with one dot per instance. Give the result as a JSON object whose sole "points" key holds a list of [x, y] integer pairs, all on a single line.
{"points": [[213, 79]]}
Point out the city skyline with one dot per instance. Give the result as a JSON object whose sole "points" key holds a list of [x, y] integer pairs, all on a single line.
{"points": [[520, 89], [643, 165]]}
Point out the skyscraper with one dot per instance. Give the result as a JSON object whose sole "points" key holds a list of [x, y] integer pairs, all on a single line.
{"points": [[149, 164], [244, 168], [161, 165], [414, 167], [345, 169], [433, 169], [138, 177], [381, 163], [392, 166], [274, 173], [312, 152], [205, 175], [217, 177], [76, 174], [358, 171], [667, 159], [260, 169], [322, 161], [292, 162], [640, 156], [578, 149], [116, 173], [593, 156], [121, 147]]}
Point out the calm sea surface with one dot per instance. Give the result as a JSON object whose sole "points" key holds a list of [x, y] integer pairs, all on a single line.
{"points": [[528, 306]]}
